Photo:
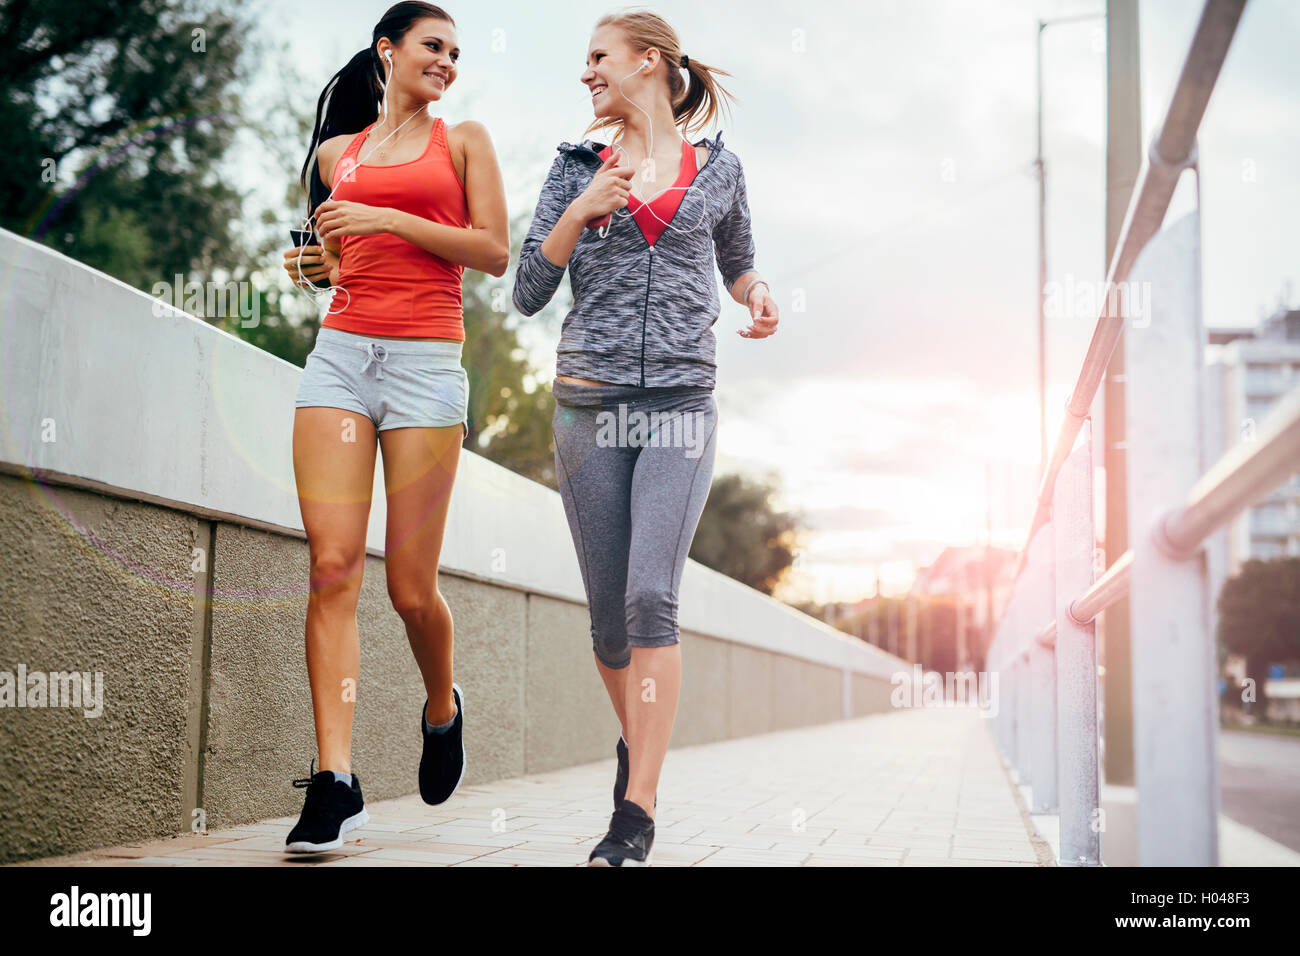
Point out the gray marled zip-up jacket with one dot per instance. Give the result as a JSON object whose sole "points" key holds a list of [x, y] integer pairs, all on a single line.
{"points": [[642, 315]]}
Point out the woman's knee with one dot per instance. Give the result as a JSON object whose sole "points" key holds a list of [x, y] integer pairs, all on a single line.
{"points": [[608, 635], [612, 650], [651, 615], [336, 572], [417, 603]]}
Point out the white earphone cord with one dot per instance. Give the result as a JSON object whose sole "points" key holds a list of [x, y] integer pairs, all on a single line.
{"points": [[309, 226], [603, 231]]}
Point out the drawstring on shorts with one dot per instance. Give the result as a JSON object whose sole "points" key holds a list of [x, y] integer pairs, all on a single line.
{"points": [[377, 354]]}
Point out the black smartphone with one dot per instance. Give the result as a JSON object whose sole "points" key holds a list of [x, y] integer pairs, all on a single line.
{"points": [[308, 237]]}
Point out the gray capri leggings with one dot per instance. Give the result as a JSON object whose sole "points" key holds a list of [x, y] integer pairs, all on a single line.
{"points": [[633, 466]]}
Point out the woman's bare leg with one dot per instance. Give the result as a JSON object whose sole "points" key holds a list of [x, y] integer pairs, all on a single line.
{"points": [[654, 682], [419, 471], [615, 680], [334, 468]]}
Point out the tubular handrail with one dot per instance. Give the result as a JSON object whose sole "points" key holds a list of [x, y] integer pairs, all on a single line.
{"points": [[1172, 151], [1105, 591], [1246, 471], [1249, 470]]}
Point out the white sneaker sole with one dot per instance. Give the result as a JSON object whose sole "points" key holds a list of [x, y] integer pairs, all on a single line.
{"points": [[464, 757], [601, 861], [351, 823]]}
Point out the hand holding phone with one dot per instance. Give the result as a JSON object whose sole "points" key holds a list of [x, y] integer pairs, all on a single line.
{"points": [[311, 263]]}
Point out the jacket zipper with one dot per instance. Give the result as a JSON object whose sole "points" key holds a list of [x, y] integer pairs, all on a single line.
{"points": [[645, 306]]}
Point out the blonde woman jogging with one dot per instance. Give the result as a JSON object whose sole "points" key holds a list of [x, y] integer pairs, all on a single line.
{"points": [[637, 224]]}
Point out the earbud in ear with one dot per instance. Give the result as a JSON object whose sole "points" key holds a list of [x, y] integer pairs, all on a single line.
{"points": [[645, 65], [389, 55]]}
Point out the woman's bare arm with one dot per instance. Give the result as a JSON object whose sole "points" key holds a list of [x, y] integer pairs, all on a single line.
{"points": [[484, 246]]}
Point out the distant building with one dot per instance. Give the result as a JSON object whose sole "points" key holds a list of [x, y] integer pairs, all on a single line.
{"points": [[1246, 376], [960, 576], [956, 575]]}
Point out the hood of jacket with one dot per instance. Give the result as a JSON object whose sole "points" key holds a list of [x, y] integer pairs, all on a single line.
{"points": [[588, 151]]}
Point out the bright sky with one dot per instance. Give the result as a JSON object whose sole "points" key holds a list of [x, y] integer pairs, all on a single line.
{"points": [[887, 150]]}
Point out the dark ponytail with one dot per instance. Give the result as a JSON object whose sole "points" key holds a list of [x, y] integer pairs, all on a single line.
{"points": [[348, 104], [350, 101]]}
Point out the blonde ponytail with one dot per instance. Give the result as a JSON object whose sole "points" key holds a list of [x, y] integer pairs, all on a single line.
{"points": [[698, 99]]}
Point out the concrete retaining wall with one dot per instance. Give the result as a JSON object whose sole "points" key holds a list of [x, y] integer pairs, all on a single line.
{"points": [[130, 443]]}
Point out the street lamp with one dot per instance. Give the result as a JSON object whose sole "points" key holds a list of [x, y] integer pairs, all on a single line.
{"points": [[1042, 240]]}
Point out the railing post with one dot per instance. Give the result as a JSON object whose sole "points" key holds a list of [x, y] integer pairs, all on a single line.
{"points": [[1007, 687], [1005, 719], [1008, 679], [1024, 692], [1076, 662], [1175, 708], [1039, 607]]}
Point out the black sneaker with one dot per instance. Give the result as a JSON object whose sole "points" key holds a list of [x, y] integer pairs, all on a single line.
{"points": [[630, 838], [442, 761], [331, 809], [620, 777]]}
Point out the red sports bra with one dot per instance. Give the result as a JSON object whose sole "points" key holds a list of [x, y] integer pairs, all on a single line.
{"points": [[653, 217]]}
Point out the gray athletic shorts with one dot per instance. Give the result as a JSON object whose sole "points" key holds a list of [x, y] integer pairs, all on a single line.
{"points": [[396, 383]]}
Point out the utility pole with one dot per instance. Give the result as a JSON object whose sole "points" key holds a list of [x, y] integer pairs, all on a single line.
{"points": [[960, 662], [1042, 266], [1123, 163], [1041, 170], [987, 637]]}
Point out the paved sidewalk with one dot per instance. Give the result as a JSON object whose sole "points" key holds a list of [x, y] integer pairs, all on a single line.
{"points": [[906, 788]]}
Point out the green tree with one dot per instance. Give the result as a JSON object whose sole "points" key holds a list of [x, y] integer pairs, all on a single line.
{"points": [[1259, 618], [741, 535], [117, 115], [510, 406]]}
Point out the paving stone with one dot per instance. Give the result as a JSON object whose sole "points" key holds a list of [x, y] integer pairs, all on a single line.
{"points": [[419, 855], [989, 853], [846, 852], [820, 859], [920, 787]]}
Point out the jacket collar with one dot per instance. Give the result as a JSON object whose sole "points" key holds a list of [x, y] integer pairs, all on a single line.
{"points": [[588, 151]]}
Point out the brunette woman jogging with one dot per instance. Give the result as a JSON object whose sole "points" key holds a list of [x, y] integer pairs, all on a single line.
{"points": [[413, 205], [638, 347]]}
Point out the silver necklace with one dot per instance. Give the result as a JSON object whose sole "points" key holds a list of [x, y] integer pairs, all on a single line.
{"points": [[383, 152]]}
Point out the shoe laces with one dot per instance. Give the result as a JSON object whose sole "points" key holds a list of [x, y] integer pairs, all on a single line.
{"points": [[306, 781], [624, 827]]}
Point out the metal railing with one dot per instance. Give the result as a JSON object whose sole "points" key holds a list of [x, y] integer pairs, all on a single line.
{"points": [[1044, 645]]}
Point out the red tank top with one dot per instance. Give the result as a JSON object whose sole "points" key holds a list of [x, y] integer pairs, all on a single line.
{"points": [[653, 217], [393, 286]]}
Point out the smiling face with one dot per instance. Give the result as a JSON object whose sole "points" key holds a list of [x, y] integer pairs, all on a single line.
{"points": [[424, 63], [610, 59]]}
